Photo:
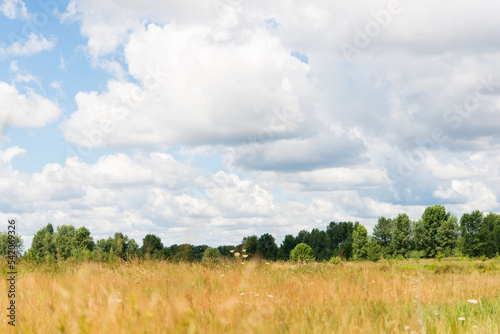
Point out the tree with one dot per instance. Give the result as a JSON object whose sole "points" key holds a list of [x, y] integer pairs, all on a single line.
{"points": [[382, 232], [64, 241], [182, 252], [266, 246], [359, 243], [302, 252], [340, 238], [43, 244], [211, 254], [318, 240], [303, 237], [225, 250], [133, 249], [447, 236], [120, 245], [250, 244], [104, 245], [470, 225], [5, 243], [418, 235], [82, 240], [150, 244], [198, 252], [432, 218], [496, 235], [487, 235], [373, 249], [286, 247], [401, 236]]}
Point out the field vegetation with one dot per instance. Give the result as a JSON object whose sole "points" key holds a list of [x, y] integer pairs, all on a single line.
{"points": [[230, 296]]}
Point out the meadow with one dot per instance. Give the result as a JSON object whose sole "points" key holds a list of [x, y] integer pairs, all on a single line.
{"points": [[408, 296]]}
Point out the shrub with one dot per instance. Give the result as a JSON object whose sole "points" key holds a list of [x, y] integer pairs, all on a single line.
{"points": [[302, 252], [334, 260], [211, 254]]}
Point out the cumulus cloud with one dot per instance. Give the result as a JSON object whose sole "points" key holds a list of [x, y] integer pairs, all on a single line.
{"points": [[408, 120], [192, 92], [25, 110]]}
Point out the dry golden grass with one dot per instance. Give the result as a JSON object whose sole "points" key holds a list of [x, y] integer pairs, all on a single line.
{"points": [[161, 297]]}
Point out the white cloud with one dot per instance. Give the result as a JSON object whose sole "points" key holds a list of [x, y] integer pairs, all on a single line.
{"points": [[218, 78], [14, 9], [472, 195], [33, 45], [7, 155], [13, 66], [194, 92], [25, 110]]}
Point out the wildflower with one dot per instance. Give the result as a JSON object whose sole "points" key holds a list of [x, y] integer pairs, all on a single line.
{"points": [[270, 296], [257, 294], [241, 294], [244, 250], [222, 275], [267, 262], [472, 301], [474, 326], [407, 328], [461, 319], [232, 250], [237, 254], [245, 256], [436, 312]]}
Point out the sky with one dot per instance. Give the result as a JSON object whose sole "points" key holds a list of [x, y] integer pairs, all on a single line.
{"points": [[206, 121]]}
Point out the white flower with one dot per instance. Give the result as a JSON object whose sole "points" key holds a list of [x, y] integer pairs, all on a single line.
{"points": [[407, 328], [270, 296], [232, 250], [461, 319], [472, 301], [237, 254], [245, 255], [241, 294], [222, 275]]}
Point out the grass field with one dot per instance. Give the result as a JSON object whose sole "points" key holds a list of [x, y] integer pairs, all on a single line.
{"points": [[408, 296]]}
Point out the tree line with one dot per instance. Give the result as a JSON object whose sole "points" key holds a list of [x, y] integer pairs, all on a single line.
{"points": [[436, 234]]}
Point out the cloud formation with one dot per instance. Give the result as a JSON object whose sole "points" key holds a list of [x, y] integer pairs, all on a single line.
{"points": [[306, 132]]}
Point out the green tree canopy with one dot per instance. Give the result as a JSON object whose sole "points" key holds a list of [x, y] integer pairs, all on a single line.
{"points": [[401, 236], [266, 246], [286, 247], [470, 225], [432, 219], [359, 243]]}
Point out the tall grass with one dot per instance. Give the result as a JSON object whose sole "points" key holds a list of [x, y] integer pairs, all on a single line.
{"points": [[350, 297]]}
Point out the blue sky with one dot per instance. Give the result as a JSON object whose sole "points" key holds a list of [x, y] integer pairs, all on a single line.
{"points": [[207, 122]]}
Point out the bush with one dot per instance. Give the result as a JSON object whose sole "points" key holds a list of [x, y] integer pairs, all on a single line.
{"points": [[302, 252], [335, 260], [211, 254]]}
